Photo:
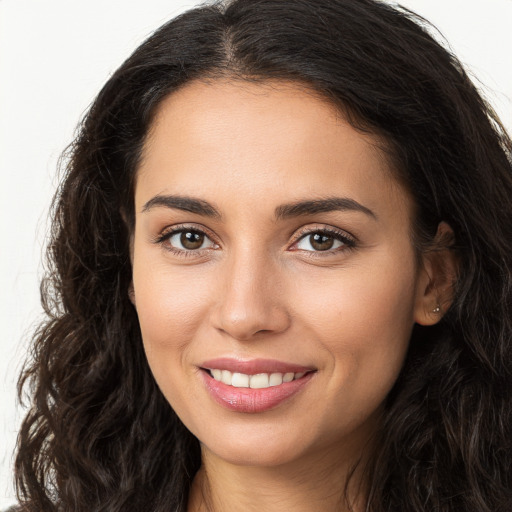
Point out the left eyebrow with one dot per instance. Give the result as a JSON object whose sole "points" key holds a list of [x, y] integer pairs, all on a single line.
{"points": [[184, 203], [329, 204]]}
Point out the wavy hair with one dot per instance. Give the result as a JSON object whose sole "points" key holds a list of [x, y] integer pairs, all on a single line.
{"points": [[99, 435]]}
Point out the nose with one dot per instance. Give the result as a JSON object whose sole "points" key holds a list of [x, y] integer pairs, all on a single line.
{"points": [[251, 301]]}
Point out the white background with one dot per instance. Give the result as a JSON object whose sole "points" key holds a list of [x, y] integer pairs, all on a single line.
{"points": [[54, 57]]}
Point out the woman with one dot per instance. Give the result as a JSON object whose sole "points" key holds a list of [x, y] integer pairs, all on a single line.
{"points": [[281, 276]]}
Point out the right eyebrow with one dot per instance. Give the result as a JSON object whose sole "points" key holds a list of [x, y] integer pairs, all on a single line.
{"points": [[313, 206], [185, 203]]}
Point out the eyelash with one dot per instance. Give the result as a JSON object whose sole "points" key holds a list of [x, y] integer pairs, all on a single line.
{"points": [[348, 241], [167, 234]]}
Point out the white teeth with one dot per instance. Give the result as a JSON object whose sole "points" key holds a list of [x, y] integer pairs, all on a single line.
{"points": [[275, 379], [226, 377], [258, 381], [240, 380], [217, 374]]}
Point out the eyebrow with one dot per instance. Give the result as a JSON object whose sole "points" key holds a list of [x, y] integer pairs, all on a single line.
{"points": [[187, 204], [329, 204], [285, 211]]}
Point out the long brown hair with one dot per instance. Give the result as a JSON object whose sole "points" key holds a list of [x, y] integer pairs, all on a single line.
{"points": [[99, 435]]}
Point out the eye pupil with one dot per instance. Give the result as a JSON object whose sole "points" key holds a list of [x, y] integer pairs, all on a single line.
{"points": [[191, 239], [321, 242]]}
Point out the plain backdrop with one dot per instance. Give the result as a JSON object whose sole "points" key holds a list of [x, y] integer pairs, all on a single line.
{"points": [[54, 57]]}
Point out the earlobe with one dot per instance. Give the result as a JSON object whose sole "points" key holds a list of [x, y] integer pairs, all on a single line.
{"points": [[438, 275], [425, 316]]}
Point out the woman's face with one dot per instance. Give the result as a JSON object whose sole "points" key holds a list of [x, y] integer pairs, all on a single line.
{"points": [[272, 249]]}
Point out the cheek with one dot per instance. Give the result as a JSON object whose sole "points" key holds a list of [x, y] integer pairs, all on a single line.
{"points": [[359, 300], [363, 320], [171, 307]]}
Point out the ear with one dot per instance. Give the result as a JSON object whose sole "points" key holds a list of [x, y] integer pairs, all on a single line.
{"points": [[131, 294], [437, 278], [131, 289]]}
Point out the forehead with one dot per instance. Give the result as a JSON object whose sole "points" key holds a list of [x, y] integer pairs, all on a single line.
{"points": [[236, 139]]}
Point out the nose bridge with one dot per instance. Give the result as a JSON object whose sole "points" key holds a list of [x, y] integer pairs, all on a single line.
{"points": [[251, 300]]}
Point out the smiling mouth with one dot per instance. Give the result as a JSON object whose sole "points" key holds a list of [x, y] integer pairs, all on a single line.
{"points": [[257, 390], [256, 381]]}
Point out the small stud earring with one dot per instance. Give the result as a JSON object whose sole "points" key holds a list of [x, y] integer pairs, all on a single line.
{"points": [[437, 309]]}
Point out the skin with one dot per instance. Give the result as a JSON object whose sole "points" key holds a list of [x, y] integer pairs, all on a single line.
{"points": [[257, 288]]}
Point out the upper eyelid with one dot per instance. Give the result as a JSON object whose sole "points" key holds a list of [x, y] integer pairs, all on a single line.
{"points": [[305, 231], [168, 231], [165, 235]]}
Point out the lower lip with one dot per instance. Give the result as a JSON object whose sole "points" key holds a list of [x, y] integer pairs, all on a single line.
{"points": [[250, 400]]}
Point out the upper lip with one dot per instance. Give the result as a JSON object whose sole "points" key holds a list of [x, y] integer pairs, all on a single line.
{"points": [[254, 366]]}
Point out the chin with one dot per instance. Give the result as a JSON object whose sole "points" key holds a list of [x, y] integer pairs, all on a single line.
{"points": [[254, 455], [261, 449]]}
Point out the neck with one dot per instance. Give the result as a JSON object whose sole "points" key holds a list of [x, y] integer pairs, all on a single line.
{"points": [[302, 485]]}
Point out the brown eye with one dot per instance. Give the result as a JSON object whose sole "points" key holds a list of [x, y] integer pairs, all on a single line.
{"points": [[185, 240], [191, 240], [321, 242]]}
